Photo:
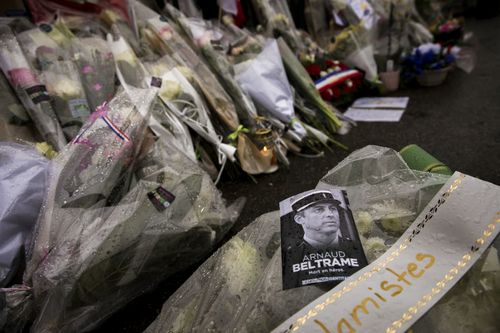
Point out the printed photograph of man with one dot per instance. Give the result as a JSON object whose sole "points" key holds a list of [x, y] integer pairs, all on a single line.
{"points": [[320, 216], [319, 240]]}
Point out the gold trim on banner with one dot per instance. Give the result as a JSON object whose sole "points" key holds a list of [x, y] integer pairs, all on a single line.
{"points": [[378, 267], [447, 278]]}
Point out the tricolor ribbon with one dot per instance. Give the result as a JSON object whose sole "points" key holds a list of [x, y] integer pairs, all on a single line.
{"points": [[101, 112], [115, 129]]}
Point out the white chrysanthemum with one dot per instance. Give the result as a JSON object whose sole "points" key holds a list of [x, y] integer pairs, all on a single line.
{"points": [[374, 247], [63, 86], [170, 90], [242, 265], [364, 222], [391, 222]]}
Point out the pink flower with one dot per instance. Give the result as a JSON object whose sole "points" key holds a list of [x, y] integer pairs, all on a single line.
{"points": [[87, 69], [97, 86]]}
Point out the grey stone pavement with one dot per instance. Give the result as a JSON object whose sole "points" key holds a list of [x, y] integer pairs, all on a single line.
{"points": [[458, 122]]}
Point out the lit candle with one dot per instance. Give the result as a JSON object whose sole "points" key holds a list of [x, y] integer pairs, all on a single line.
{"points": [[265, 152]]}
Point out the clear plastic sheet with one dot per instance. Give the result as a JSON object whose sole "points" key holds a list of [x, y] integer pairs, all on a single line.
{"points": [[28, 88], [96, 67], [385, 194], [264, 79], [239, 289], [63, 83], [15, 124], [23, 182], [98, 244]]}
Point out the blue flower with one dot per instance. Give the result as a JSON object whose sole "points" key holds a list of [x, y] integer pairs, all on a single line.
{"points": [[449, 58]]}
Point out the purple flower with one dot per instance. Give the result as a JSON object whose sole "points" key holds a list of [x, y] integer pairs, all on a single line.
{"points": [[87, 69]]}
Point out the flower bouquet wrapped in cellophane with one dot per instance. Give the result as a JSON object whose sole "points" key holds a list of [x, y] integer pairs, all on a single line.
{"points": [[32, 39], [132, 73], [58, 73], [400, 27], [200, 36], [354, 46], [169, 220], [168, 42], [15, 122], [181, 97], [276, 18], [260, 72], [265, 80], [166, 126], [28, 88], [129, 68], [244, 290], [63, 84], [252, 159], [386, 196], [113, 18], [96, 67], [91, 173], [305, 86]]}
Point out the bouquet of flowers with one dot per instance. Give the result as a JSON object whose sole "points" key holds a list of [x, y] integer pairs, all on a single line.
{"points": [[169, 42], [428, 57], [276, 18], [305, 86], [15, 122], [29, 89], [129, 68], [32, 39], [181, 97], [264, 79], [246, 272], [64, 86], [334, 79], [449, 32], [201, 37], [100, 244], [96, 67]]}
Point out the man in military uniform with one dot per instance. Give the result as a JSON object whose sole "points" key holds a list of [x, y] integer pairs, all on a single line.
{"points": [[322, 218], [319, 215]]}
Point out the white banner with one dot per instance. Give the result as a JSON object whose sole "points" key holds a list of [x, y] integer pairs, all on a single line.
{"points": [[393, 292]]}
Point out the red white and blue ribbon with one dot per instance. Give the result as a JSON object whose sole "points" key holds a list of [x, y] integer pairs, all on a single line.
{"points": [[101, 112], [334, 78], [115, 129]]}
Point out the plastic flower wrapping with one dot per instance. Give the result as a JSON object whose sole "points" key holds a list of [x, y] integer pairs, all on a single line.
{"points": [[263, 153], [179, 55], [276, 18], [15, 122], [201, 36], [25, 176], [32, 93], [122, 214], [96, 67], [239, 289], [63, 84], [264, 79]]}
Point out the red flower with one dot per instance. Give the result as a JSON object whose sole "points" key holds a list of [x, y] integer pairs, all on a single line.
{"points": [[313, 70], [329, 63], [336, 92], [327, 94]]}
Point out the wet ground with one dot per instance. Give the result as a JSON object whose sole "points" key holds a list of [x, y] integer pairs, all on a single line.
{"points": [[458, 122]]}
